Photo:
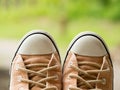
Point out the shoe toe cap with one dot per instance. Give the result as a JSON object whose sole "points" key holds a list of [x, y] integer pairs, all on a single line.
{"points": [[37, 44], [89, 46]]}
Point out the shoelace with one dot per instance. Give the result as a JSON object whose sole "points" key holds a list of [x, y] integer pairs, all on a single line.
{"points": [[88, 73], [40, 73]]}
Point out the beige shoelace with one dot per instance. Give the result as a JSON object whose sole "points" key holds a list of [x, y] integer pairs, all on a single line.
{"points": [[88, 73], [40, 73]]}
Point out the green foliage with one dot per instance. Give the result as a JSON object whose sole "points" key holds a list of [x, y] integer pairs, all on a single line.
{"points": [[113, 11], [17, 17], [72, 9]]}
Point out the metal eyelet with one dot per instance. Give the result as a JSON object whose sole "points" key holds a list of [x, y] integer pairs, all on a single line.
{"points": [[70, 65], [21, 88], [103, 81], [69, 87], [56, 77], [69, 77], [19, 78], [17, 67]]}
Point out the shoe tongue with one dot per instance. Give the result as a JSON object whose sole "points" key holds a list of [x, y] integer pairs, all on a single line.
{"points": [[85, 67], [54, 83], [33, 59], [97, 60]]}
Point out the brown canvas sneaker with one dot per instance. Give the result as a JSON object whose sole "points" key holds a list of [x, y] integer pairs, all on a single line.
{"points": [[87, 65], [36, 64]]}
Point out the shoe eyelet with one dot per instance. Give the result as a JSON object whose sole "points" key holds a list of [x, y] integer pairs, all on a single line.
{"points": [[19, 78], [17, 67], [108, 69], [21, 88], [56, 88], [70, 65], [103, 81], [69, 77], [56, 77], [69, 87]]}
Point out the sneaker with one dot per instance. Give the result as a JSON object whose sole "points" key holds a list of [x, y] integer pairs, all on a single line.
{"points": [[36, 64], [88, 64]]}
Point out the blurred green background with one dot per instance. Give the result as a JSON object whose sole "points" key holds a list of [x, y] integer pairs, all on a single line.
{"points": [[63, 19]]}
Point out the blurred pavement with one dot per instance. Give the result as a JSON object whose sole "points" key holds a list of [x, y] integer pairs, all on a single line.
{"points": [[7, 49]]}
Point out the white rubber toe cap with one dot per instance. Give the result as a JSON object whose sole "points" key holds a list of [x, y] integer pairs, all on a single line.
{"points": [[89, 46], [37, 44]]}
